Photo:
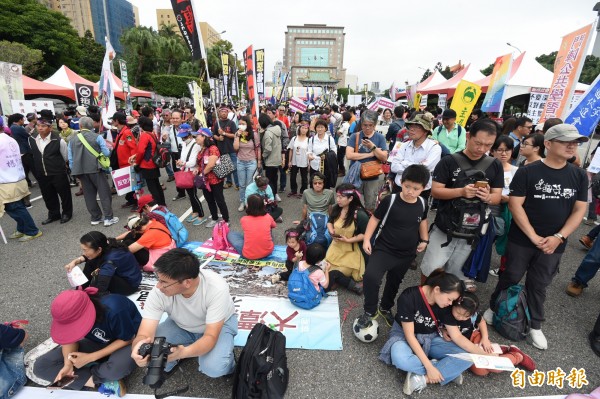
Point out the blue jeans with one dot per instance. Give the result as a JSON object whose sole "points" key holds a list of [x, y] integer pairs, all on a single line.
{"points": [[216, 363], [20, 214], [450, 367], [594, 232], [236, 240], [233, 156], [12, 372], [589, 265], [245, 170], [169, 170]]}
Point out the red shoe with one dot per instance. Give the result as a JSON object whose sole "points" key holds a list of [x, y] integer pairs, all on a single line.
{"points": [[527, 363]]}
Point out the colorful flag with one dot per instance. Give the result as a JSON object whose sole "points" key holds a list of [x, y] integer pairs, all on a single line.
{"points": [[106, 93], [494, 98], [184, 15], [259, 68], [465, 98], [585, 115], [567, 68], [250, 85]]}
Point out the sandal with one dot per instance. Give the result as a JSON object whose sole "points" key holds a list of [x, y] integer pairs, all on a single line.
{"points": [[470, 285]]}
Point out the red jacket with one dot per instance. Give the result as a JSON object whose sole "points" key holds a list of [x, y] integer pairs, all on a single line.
{"points": [[144, 156], [126, 146]]}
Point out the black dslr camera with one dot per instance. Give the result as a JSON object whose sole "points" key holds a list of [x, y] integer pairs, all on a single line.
{"points": [[159, 350]]}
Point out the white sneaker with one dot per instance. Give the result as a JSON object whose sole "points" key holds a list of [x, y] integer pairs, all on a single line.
{"points": [[494, 272], [538, 339], [413, 382], [211, 224], [277, 198], [488, 316], [241, 207], [110, 222], [95, 222]]}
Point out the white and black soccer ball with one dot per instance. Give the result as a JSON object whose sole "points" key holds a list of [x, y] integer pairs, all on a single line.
{"points": [[368, 334]]}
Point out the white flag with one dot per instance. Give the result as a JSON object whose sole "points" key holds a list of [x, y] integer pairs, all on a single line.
{"points": [[106, 93]]}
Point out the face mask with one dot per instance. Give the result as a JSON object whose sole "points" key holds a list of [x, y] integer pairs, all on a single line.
{"points": [[242, 127]]}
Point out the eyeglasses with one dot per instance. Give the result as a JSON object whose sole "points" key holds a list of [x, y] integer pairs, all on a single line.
{"points": [[164, 284], [528, 127], [525, 144], [506, 151]]}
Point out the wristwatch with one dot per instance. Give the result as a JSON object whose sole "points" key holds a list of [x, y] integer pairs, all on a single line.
{"points": [[560, 237], [425, 241]]}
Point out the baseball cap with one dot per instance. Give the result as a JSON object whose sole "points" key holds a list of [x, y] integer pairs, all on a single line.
{"points": [[449, 114], [133, 221], [135, 113], [120, 117], [81, 110], [144, 200], [565, 132], [184, 130], [73, 316], [205, 132]]}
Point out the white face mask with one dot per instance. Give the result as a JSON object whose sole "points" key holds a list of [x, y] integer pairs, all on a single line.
{"points": [[242, 127]]}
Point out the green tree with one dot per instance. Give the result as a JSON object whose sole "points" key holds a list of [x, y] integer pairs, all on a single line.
{"points": [[168, 30], [589, 72], [30, 23], [92, 55], [18, 53], [488, 70], [547, 60], [344, 92], [426, 74], [172, 51], [140, 45]]}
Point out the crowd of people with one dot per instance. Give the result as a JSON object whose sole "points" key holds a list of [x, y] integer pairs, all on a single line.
{"points": [[365, 200]]}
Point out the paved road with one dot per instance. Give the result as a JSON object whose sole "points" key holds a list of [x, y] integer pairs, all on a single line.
{"points": [[32, 275]]}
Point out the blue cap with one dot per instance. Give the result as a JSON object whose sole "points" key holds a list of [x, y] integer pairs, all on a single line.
{"points": [[184, 130], [205, 132]]}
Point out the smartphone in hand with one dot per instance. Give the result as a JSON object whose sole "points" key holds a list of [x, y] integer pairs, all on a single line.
{"points": [[63, 382]]}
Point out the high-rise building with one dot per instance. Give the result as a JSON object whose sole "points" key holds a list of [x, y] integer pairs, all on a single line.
{"points": [[375, 87], [136, 15], [78, 12], [314, 55], [166, 16], [119, 17], [352, 82], [209, 34]]}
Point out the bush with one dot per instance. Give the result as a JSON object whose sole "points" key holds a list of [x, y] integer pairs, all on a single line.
{"points": [[172, 85]]}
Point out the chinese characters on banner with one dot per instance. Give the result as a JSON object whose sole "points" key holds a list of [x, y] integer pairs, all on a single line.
{"points": [[251, 85], [198, 103], [225, 65], [84, 94], [260, 73], [417, 103], [423, 102], [26, 106], [125, 84], [442, 101], [494, 98], [11, 86], [537, 101], [567, 68], [586, 114], [465, 98], [184, 15], [235, 89]]}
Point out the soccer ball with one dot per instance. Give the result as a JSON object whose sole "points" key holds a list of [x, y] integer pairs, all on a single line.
{"points": [[368, 334]]}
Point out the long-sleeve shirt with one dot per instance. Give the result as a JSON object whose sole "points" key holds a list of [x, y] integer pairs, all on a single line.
{"points": [[428, 154], [189, 153], [42, 143], [101, 142]]}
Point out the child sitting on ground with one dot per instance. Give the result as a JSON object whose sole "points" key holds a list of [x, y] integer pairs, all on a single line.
{"points": [[12, 367], [472, 326], [299, 291], [296, 251]]}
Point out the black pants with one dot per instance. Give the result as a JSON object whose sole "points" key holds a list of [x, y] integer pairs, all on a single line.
{"points": [[271, 173], [337, 277], [174, 158], [381, 262], [130, 198], [303, 177], [117, 285], [56, 190], [195, 201], [142, 256], [156, 190], [215, 198], [540, 269], [341, 156], [289, 265], [275, 211], [27, 160]]}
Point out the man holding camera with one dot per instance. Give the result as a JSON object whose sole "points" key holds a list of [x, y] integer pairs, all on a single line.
{"points": [[201, 316]]}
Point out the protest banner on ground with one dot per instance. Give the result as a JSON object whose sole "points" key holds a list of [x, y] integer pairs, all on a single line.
{"points": [[494, 98], [465, 98]]}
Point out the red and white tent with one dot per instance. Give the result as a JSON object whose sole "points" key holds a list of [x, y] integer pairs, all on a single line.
{"points": [[33, 87], [117, 85], [449, 87], [432, 80]]}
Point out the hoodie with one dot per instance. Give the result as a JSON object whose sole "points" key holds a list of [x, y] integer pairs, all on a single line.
{"points": [[271, 144]]}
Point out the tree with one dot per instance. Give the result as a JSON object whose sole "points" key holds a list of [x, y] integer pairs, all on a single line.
{"points": [[547, 60], [426, 74], [172, 51], [18, 53], [488, 70], [140, 43], [589, 72], [92, 55], [168, 30]]}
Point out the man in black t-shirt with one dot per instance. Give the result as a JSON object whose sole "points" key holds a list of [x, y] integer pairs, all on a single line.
{"points": [[224, 131], [548, 199], [452, 255]]}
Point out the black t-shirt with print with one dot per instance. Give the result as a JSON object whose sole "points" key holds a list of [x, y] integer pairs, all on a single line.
{"points": [[447, 171], [467, 327], [550, 195], [400, 234], [412, 308]]}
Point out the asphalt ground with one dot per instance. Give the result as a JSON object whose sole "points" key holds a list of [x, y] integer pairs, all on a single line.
{"points": [[31, 275]]}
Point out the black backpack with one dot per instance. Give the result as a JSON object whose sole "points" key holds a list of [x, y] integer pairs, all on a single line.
{"points": [[596, 186], [465, 217], [261, 372], [161, 156]]}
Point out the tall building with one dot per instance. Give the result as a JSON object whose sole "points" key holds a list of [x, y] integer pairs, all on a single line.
{"points": [[314, 55], [209, 34], [136, 15], [375, 87], [119, 17], [78, 12], [166, 16]]}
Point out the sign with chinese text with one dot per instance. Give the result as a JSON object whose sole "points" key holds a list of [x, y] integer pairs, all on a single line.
{"points": [[465, 98], [84, 94], [442, 98], [26, 106], [260, 73], [226, 72], [567, 68], [417, 103], [11, 86], [494, 98], [198, 103], [585, 115], [537, 101], [122, 179]]}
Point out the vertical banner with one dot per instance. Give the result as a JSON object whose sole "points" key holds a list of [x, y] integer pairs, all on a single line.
{"points": [[283, 92], [11, 86], [567, 68], [392, 91], [184, 15], [235, 88], [442, 98], [259, 63], [106, 94], [585, 115], [251, 85], [423, 102], [417, 103], [125, 83], [494, 98], [226, 72], [537, 101], [465, 97], [198, 103], [411, 93], [84, 94]]}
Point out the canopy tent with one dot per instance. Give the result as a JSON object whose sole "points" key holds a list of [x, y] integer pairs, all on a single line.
{"points": [[434, 79], [449, 87], [66, 78], [118, 89], [33, 87]]}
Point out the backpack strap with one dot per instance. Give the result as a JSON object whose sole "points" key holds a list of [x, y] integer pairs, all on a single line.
{"points": [[465, 165], [386, 215], [459, 130], [422, 203], [169, 233]]}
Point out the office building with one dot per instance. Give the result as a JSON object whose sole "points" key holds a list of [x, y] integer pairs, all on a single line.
{"points": [[78, 12], [210, 36], [119, 17], [375, 87], [314, 55], [136, 15], [166, 17]]}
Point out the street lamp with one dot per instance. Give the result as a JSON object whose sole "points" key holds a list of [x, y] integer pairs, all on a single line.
{"points": [[214, 34], [515, 47]]}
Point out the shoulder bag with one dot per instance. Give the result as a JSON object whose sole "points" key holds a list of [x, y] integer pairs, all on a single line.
{"points": [[368, 170], [103, 160], [185, 178]]}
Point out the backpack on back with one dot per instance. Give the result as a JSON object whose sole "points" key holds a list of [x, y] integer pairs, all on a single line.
{"points": [[219, 236], [161, 156], [466, 217], [317, 230], [446, 150], [176, 228], [261, 372], [511, 316], [301, 290], [595, 183]]}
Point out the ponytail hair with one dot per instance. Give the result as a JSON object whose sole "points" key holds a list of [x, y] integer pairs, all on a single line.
{"points": [[469, 302], [447, 282]]}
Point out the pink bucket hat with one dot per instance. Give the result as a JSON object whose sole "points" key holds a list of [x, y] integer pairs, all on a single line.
{"points": [[73, 315]]}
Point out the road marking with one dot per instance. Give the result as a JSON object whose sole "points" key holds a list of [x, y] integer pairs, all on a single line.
{"points": [[35, 199], [189, 211]]}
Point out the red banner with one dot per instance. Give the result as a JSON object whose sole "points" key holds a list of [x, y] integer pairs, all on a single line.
{"points": [[184, 15], [251, 85]]}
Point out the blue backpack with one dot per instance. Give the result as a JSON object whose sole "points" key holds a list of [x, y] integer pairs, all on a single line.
{"points": [[301, 290], [511, 313], [176, 228], [317, 230]]}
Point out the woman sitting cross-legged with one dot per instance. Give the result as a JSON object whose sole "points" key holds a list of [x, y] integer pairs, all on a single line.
{"points": [[261, 187], [256, 240]]}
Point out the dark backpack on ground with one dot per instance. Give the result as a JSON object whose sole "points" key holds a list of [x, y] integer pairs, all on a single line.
{"points": [[316, 229], [261, 372], [511, 315], [161, 156], [446, 150], [301, 290], [465, 217]]}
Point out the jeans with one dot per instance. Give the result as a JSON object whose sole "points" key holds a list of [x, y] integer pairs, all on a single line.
{"points": [[20, 214], [450, 367], [589, 265], [236, 240], [216, 363], [245, 171], [169, 170], [12, 372], [233, 156]]}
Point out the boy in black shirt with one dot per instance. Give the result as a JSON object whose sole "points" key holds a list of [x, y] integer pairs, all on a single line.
{"points": [[548, 200]]}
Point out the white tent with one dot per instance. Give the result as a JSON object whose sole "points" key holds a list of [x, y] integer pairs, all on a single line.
{"points": [[434, 79]]}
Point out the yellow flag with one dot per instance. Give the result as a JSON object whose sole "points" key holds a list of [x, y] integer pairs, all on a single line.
{"points": [[464, 100], [417, 104], [199, 104]]}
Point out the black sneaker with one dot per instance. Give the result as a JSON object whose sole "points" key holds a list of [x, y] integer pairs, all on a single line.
{"points": [[355, 287], [364, 321], [387, 316]]}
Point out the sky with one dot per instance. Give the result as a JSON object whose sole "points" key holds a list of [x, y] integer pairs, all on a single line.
{"points": [[391, 40]]}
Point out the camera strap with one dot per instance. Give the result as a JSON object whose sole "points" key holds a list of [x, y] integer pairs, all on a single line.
{"points": [[173, 393]]}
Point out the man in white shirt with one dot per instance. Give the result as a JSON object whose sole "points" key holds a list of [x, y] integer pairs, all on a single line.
{"points": [[175, 150], [201, 315]]}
